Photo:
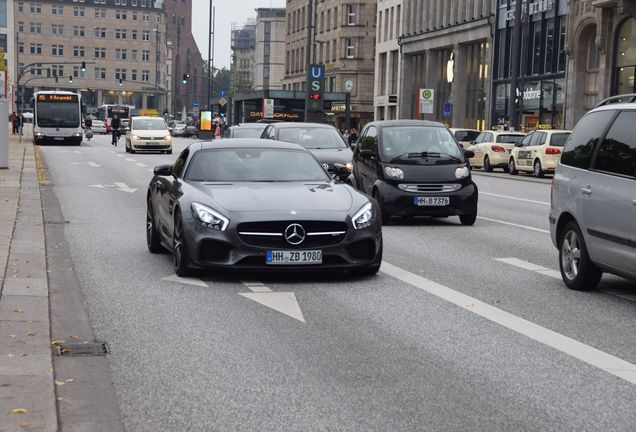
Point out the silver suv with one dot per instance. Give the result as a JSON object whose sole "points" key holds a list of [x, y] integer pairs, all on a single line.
{"points": [[593, 213]]}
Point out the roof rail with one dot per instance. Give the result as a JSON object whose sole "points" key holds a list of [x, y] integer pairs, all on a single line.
{"points": [[624, 98]]}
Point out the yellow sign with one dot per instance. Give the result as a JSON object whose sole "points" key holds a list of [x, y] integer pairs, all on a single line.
{"points": [[3, 67], [148, 112]]}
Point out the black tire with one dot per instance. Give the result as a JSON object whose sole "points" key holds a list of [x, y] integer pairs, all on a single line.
{"points": [[469, 219], [131, 150], [180, 258], [512, 168], [386, 218], [152, 235], [371, 269], [577, 270], [487, 166], [127, 148], [538, 171]]}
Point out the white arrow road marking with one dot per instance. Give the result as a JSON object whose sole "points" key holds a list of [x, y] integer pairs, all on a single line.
{"points": [[284, 302], [185, 280], [557, 341], [124, 187], [93, 164]]}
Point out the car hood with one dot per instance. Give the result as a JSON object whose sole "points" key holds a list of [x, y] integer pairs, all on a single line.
{"points": [[277, 197], [331, 156], [150, 133]]}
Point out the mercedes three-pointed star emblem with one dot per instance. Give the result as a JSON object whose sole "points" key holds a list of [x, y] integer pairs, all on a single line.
{"points": [[295, 234]]}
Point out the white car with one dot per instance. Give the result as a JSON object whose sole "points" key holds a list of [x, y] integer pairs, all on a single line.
{"points": [[98, 127], [465, 136], [179, 129], [492, 149], [148, 134], [539, 152]]}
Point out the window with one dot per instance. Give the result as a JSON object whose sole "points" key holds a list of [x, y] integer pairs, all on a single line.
{"points": [[21, 47], [174, 19], [133, 2], [134, 34], [145, 75], [133, 74], [121, 53], [57, 29], [57, 10], [145, 35], [120, 33], [351, 15], [617, 152], [78, 51], [370, 140], [100, 53], [78, 11], [143, 3], [36, 8], [100, 13], [36, 49], [57, 70], [134, 16], [134, 54], [158, 19], [79, 31], [20, 6], [120, 74], [100, 32], [35, 27], [57, 50], [266, 72], [145, 55], [146, 17], [100, 73], [182, 20], [78, 73], [579, 147], [20, 27], [350, 48], [120, 14]]}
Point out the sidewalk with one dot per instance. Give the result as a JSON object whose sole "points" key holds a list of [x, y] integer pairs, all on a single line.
{"points": [[27, 393]]}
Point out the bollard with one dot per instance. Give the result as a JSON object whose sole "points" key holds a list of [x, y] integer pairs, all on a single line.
{"points": [[4, 134]]}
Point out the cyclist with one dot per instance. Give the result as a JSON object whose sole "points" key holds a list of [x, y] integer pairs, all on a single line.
{"points": [[88, 125], [115, 124]]}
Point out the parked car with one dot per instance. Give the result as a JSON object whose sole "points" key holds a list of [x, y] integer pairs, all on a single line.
{"points": [[593, 209], [245, 130], [465, 136], [178, 129], [538, 152], [191, 131], [492, 149], [99, 127], [250, 204], [148, 134], [324, 141], [414, 168]]}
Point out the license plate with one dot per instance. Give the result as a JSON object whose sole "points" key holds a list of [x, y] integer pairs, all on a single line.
{"points": [[276, 257], [58, 139], [431, 201]]}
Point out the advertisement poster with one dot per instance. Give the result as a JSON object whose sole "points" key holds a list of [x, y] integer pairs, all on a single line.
{"points": [[268, 108], [205, 121]]}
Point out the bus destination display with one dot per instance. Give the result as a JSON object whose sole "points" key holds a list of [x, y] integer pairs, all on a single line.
{"points": [[57, 98]]}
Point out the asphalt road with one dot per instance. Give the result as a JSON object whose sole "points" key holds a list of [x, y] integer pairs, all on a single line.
{"points": [[459, 331]]}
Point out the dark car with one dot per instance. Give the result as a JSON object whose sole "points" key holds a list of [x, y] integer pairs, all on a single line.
{"points": [[324, 141], [250, 204], [190, 131], [245, 130], [414, 168]]}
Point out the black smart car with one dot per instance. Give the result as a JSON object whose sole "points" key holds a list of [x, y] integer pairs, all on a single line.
{"points": [[414, 168]]}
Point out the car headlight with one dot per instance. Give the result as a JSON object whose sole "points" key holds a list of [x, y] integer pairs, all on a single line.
{"points": [[393, 172], [167, 137], [135, 137], [77, 134], [461, 173], [349, 166], [364, 217], [209, 218], [39, 134]]}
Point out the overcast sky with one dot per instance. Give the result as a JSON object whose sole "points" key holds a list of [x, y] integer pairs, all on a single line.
{"points": [[227, 12]]}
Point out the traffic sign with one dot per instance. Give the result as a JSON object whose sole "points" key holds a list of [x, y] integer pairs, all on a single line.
{"points": [[314, 104], [447, 110], [222, 93], [222, 101], [195, 104]]}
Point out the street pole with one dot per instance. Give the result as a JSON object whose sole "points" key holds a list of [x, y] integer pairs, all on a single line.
{"points": [[310, 15], [157, 68], [211, 25], [513, 116]]}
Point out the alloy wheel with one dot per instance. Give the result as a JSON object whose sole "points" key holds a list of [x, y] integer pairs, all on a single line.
{"points": [[571, 255]]}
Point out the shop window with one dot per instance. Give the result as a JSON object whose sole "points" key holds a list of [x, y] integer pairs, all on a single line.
{"points": [[625, 58], [561, 60], [591, 72], [549, 46]]}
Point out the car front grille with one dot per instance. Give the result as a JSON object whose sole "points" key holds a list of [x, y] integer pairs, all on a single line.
{"points": [[430, 187], [271, 234], [151, 138]]}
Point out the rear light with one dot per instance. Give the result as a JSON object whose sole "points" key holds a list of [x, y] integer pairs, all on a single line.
{"points": [[552, 151], [498, 149]]}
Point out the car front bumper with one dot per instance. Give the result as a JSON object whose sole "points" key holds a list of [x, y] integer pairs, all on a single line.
{"points": [[150, 145], [397, 202], [45, 139]]}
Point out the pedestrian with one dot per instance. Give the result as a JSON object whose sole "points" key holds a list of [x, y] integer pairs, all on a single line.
{"points": [[115, 124], [353, 136], [217, 131]]}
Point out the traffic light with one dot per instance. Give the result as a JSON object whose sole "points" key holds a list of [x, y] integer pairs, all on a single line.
{"points": [[222, 110], [184, 79], [70, 79], [83, 67]]}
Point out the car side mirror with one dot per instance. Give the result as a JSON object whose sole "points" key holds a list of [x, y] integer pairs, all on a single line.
{"points": [[518, 144], [367, 154], [163, 170], [469, 154]]}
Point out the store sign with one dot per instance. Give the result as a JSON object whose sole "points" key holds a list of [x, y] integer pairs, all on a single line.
{"points": [[537, 7], [338, 106], [280, 116], [532, 94], [427, 101]]}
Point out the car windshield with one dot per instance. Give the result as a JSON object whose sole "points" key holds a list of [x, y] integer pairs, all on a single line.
{"points": [[509, 139], [149, 124], [242, 132], [255, 165], [312, 137], [559, 139], [466, 135], [428, 145]]}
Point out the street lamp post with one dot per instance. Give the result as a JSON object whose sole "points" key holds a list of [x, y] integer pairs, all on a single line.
{"points": [[211, 26]]}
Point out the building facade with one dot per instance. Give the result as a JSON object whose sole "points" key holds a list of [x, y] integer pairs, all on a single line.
{"points": [[447, 47], [7, 43], [243, 56], [342, 37], [270, 49], [388, 60], [122, 42], [601, 53], [187, 58]]}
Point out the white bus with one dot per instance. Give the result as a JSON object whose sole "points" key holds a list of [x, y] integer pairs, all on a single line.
{"points": [[106, 112], [57, 118]]}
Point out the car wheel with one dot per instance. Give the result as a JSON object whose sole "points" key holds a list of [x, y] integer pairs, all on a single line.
{"points": [[469, 219], [512, 169], [371, 269], [127, 148], [152, 235], [131, 149], [577, 270], [180, 257], [487, 166], [538, 171], [386, 218]]}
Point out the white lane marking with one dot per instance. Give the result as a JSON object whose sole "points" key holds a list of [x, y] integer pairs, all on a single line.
{"points": [[141, 165], [125, 188], [514, 198], [527, 265], [119, 155], [283, 302], [131, 160], [93, 164], [557, 341], [514, 224], [97, 186], [185, 280]]}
